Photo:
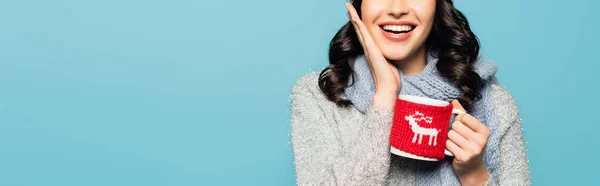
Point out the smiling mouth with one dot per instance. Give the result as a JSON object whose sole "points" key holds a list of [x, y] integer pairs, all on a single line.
{"points": [[397, 29]]}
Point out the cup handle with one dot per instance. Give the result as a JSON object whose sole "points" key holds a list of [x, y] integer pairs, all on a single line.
{"points": [[454, 111], [448, 153], [458, 111]]}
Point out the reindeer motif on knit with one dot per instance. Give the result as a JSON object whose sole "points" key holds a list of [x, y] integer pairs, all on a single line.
{"points": [[420, 131]]}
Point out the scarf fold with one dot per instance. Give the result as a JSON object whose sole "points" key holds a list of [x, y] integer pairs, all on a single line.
{"points": [[430, 84]]}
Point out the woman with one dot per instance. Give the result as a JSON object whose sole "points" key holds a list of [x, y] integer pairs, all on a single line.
{"points": [[341, 117]]}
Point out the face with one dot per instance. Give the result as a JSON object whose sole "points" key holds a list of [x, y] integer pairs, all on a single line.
{"points": [[399, 27]]}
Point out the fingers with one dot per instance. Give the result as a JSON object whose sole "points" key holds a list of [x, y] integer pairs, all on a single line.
{"points": [[459, 140], [353, 16], [468, 137], [468, 134], [457, 105], [464, 144], [454, 149], [364, 34], [470, 121], [473, 123]]}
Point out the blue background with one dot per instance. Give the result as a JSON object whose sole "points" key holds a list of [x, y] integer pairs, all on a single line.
{"points": [[188, 92]]}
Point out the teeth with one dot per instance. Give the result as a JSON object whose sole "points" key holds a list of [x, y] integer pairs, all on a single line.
{"points": [[398, 28]]}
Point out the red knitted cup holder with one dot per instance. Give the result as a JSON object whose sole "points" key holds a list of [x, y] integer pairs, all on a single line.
{"points": [[420, 127]]}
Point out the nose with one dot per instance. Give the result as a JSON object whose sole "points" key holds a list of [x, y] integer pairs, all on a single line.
{"points": [[397, 8]]}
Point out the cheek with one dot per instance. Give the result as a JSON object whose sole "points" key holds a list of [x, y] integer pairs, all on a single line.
{"points": [[425, 10], [370, 10]]}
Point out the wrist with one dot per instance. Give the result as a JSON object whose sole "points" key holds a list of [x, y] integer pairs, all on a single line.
{"points": [[384, 100], [476, 176]]}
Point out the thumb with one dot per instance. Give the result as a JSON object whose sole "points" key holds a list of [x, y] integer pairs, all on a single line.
{"points": [[457, 105]]}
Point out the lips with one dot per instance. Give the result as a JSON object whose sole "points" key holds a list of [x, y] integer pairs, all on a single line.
{"points": [[397, 31]]}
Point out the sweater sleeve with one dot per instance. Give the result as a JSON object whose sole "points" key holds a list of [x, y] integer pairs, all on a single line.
{"points": [[321, 158], [513, 168]]}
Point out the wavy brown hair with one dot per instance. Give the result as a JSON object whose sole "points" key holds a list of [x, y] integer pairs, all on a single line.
{"points": [[451, 36]]}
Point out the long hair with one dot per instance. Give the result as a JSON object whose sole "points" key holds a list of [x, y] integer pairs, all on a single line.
{"points": [[450, 35]]}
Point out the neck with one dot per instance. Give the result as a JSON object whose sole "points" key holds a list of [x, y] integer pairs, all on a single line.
{"points": [[413, 64]]}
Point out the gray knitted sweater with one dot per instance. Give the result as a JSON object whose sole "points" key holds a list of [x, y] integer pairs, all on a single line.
{"points": [[342, 146]]}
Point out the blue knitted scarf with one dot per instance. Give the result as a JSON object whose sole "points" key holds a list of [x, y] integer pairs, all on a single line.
{"points": [[430, 84]]}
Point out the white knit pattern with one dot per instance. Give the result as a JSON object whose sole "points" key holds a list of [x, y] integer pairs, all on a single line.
{"points": [[422, 131]]}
